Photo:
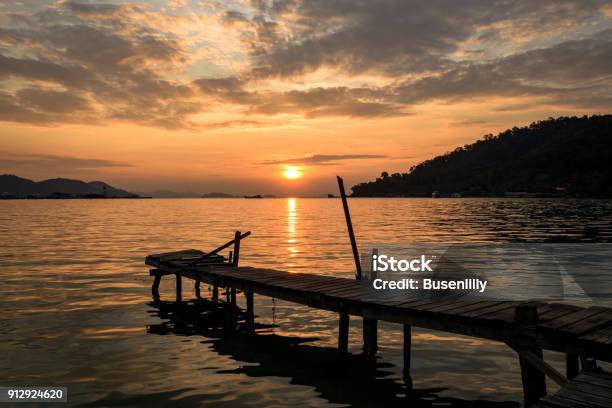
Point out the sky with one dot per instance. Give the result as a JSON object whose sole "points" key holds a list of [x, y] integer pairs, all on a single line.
{"points": [[228, 95]]}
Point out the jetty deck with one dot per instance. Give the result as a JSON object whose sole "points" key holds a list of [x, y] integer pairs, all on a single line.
{"points": [[583, 334]]}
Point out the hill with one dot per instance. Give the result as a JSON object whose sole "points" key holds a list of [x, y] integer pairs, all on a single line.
{"points": [[563, 156], [14, 186]]}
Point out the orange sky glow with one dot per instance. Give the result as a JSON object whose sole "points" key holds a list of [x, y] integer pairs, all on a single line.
{"points": [[278, 97]]}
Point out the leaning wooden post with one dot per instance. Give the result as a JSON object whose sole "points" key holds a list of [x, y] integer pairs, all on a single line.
{"points": [[349, 225], [344, 317], [534, 380]]}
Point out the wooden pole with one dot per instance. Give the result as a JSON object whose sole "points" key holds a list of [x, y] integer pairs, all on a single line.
{"points": [[572, 365], [236, 248], [407, 354], [196, 288], [250, 313], [232, 296], [534, 380], [179, 287], [370, 326], [349, 225], [343, 335], [215, 293], [156, 282]]}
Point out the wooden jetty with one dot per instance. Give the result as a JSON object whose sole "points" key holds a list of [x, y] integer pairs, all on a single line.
{"points": [[583, 334]]}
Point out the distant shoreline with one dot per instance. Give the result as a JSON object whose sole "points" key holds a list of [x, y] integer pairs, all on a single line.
{"points": [[72, 198], [309, 197]]}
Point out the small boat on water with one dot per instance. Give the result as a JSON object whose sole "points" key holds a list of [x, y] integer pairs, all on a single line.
{"points": [[253, 196]]}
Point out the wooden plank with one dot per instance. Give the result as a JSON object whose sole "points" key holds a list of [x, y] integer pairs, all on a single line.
{"points": [[591, 388], [325, 286], [442, 305], [603, 336], [592, 323], [414, 304], [595, 377], [576, 394], [556, 401], [558, 310], [571, 318], [354, 292], [490, 309], [386, 301], [457, 307], [473, 307]]}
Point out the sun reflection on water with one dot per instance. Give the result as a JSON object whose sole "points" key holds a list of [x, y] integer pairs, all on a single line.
{"points": [[292, 220]]}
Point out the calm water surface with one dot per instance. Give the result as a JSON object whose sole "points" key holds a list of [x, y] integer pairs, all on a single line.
{"points": [[75, 299]]}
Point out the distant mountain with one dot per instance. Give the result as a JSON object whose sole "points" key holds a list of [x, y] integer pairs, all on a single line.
{"points": [[555, 157], [11, 185], [217, 195], [172, 194]]}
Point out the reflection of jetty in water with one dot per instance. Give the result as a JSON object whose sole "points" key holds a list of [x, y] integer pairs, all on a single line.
{"points": [[360, 380]]}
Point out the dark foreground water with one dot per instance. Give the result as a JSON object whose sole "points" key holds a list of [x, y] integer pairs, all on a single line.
{"points": [[75, 300]]}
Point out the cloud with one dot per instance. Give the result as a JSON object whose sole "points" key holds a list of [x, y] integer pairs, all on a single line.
{"points": [[234, 123], [54, 163], [397, 36], [103, 55], [101, 62], [323, 159], [548, 74], [310, 103]]}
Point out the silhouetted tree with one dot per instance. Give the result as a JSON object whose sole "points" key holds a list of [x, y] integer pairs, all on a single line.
{"points": [[574, 153]]}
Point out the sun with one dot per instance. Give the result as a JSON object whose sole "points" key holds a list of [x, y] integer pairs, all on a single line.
{"points": [[292, 173]]}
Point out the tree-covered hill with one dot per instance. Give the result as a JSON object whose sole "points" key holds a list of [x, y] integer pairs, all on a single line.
{"points": [[567, 155]]}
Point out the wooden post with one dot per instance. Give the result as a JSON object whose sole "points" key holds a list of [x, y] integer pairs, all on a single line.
{"points": [[370, 326], [370, 336], [250, 313], [155, 286], [232, 297], [215, 293], [407, 355], [236, 248], [349, 225], [196, 288], [572, 365], [179, 288], [343, 335], [534, 380], [407, 347]]}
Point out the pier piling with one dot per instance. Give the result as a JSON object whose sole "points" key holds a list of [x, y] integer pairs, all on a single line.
{"points": [[534, 380], [250, 313], [179, 287], [572, 365], [343, 335]]}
